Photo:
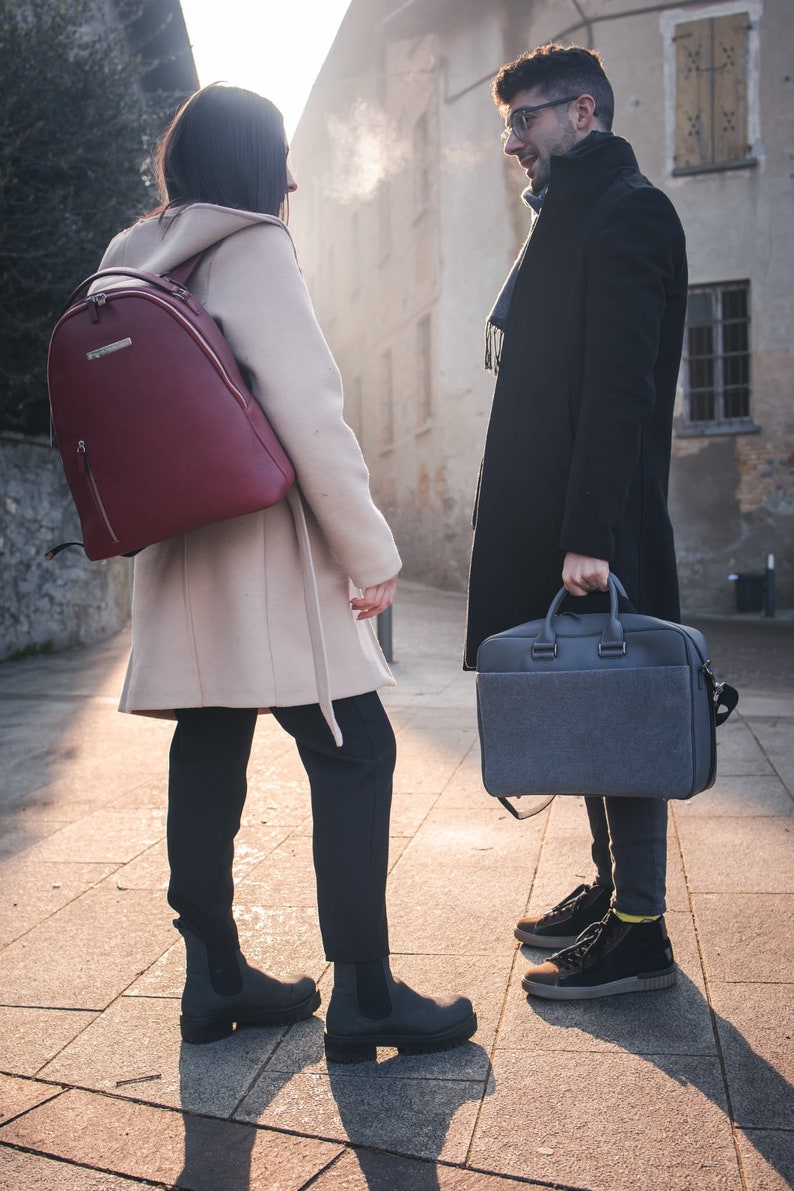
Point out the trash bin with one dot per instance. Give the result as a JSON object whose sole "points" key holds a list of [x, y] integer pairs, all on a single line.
{"points": [[750, 591]]}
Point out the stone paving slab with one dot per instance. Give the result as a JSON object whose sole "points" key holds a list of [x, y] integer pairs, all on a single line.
{"points": [[32, 891], [33, 1173], [753, 946], [768, 1158], [29, 1038], [755, 1024], [737, 856], [24, 831], [107, 836], [134, 1050], [427, 1118], [739, 796], [102, 941], [285, 876], [774, 737], [739, 755], [429, 756], [611, 1123], [471, 917], [409, 811], [197, 1153], [254, 842], [365, 1170], [18, 1096]]}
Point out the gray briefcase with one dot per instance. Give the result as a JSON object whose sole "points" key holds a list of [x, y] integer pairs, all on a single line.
{"points": [[598, 703]]}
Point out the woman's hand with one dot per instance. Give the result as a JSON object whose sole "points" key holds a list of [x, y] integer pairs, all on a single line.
{"points": [[375, 599], [581, 575]]}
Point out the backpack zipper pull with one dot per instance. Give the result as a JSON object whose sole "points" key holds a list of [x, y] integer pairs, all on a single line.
{"points": [[96, 301], [81, 455]]}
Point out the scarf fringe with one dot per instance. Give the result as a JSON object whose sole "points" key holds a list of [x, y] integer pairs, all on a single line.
{"points": [[494, 337]]}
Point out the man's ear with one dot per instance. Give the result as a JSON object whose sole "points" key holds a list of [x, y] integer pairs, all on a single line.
{"points": [[582, 112]]}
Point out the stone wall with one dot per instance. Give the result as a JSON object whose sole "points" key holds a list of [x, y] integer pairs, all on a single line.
{"points": [[49, 605]]}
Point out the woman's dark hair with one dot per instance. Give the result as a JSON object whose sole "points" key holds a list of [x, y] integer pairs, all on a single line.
{"points": [[225, 146], [558, 70]]}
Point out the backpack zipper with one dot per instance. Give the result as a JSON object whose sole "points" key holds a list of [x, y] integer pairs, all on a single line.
{"points": [[87, 471], [206, 347]]}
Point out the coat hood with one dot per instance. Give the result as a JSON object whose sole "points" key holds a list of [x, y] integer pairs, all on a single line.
{"points": [[159, 244]]}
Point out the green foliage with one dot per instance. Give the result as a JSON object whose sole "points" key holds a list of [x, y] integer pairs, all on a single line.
{"points": [[76, 128], [30, 651]]}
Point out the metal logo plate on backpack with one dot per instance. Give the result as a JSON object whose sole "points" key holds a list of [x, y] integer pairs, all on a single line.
{"points": [[107, 349]]}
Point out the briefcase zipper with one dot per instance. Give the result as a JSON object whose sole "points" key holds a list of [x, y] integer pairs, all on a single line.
{"points": [[87, 470]]}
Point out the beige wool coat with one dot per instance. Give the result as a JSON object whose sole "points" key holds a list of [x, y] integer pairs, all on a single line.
{"points": [[255, 612]]}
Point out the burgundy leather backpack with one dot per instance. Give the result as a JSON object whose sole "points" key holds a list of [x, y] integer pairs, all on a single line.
{"points": [[155, 425]]}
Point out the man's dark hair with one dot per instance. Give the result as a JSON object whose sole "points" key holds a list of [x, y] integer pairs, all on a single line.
{"points": [[225, 146], [558, 70]]}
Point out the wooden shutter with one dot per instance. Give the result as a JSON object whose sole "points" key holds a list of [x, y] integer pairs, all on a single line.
{"points": [[730, 87], [693, 142], [711, 91]]}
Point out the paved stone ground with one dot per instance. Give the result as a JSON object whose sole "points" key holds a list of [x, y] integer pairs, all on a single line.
{"points": [[689, 1089]]}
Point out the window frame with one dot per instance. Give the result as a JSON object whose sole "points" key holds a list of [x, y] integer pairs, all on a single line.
{"points": [[669, 22], [719, 423]]}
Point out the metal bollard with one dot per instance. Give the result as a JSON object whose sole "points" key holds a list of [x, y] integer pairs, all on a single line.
{"points": [[769, 586], [384, 634]]}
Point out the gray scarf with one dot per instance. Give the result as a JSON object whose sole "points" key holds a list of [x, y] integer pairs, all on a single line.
{"points": [[495, 324]]}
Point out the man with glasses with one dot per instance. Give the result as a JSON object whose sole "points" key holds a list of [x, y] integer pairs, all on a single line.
{"points": [[586, 339]]}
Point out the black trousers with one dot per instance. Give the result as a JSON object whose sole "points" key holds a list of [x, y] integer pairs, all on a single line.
{"points": [[629, 851], [351, 791]]}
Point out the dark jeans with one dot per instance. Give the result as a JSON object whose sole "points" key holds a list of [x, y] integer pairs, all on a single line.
{"points": [[351, 791], [630, 851]]}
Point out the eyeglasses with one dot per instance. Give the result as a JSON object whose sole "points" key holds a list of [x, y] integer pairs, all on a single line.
{"points": [[517, 122]]}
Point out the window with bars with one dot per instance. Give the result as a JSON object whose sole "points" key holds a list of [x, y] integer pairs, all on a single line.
{"points": [[711, 69], [717, 357]]}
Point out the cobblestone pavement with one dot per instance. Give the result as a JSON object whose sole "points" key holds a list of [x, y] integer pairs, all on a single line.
{"points": [[689, 1089]]}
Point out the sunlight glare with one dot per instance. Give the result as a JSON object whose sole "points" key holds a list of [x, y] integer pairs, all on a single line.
{"points": [[276, 49]]}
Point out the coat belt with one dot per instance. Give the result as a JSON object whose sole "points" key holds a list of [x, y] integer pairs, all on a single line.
{"points": [[312, 599]]}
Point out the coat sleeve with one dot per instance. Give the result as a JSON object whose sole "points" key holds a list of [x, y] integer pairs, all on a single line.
{"points": [[257, 292], [630, 267]]}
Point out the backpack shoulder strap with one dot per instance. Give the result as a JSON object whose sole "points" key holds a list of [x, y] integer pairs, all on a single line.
{"points": [[181, 273]]}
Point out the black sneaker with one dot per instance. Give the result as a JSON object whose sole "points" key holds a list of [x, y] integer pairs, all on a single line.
{"points": [[608, 958], [562, 925]]}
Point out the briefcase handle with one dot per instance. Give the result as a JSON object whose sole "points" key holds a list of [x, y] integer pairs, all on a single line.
{"points": [[612, 643]]}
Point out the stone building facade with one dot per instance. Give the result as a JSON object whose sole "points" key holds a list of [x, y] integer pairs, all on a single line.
{"points": [[408, 216]]}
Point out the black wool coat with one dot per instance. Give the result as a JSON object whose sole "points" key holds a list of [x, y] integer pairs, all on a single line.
{"points": [[577, 454]]}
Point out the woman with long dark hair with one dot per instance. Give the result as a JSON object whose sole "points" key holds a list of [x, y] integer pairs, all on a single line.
{"points": [[272, 611]]}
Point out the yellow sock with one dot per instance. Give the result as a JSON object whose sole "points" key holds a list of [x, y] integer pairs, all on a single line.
{"points": [[636, 917]]}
